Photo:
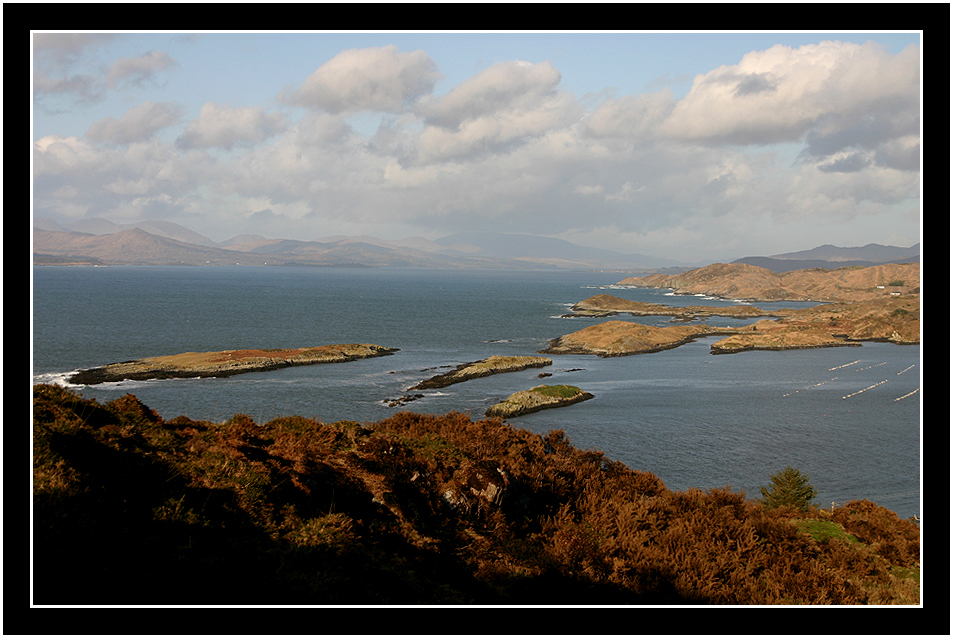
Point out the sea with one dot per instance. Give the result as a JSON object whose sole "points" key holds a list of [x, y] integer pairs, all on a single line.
{"points": [[848, 417]]}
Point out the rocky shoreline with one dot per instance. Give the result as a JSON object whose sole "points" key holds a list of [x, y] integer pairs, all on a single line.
{"points": [[482, 368], [599, 306], [225, 363], [542, 397]]}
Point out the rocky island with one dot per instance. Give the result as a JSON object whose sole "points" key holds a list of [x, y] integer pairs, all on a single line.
{"points": [[891, 318], [482, 368], [609, 305], [225, 363], [541, 397]]}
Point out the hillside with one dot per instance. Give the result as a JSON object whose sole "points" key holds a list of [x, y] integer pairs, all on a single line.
{"points": [[753, 283], [130, 508]]}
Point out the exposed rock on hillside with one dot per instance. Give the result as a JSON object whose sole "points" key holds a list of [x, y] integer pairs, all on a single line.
{"points": [[482, 368], [226, 363]]}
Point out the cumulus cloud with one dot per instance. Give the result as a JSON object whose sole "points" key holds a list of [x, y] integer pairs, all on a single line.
{"points": [[374, 79], [499, 107], [138, 124], [56, 56], [64, 48], [225, 126], [71, 172], [139, 69], [630, 118], [781, 94], [506, 86]]}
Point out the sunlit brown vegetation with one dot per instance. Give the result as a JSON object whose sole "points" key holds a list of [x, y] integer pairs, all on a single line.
{"points": [[129, 508]]}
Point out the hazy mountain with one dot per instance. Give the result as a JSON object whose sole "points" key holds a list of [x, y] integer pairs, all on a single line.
{"points": [[535, 248], [133, 246], [877, 253], [831, 257], [159, 242], [242, 239], [169, 230]]}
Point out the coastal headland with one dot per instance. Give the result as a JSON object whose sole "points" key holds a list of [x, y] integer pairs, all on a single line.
{"points": [[542, 397], [482, 368], [753, 283], [226, 362]]}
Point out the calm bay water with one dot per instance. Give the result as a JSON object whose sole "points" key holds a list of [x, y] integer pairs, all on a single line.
{"points": [[694, 419]]}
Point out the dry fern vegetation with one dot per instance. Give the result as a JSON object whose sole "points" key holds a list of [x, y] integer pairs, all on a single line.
{"points": [[414, 509]]}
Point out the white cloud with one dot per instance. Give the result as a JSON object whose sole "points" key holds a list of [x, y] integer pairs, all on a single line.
{"points": [[225, 126], [139, 123], [139, 69], [631, 118], [503, 105], [374, 79], [64, 48], [783, 94], [508, 86]]}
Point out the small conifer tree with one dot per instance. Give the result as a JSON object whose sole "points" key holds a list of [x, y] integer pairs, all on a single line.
{"points": [[789, 488]]}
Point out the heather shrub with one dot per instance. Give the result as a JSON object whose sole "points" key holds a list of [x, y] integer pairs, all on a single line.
{"points": [[416, 509]]}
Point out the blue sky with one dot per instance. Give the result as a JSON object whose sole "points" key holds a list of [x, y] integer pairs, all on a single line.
{"points": [[678, 145]]}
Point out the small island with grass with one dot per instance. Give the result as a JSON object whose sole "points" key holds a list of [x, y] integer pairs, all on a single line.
{"points": [[225, 363], [542, 397]]}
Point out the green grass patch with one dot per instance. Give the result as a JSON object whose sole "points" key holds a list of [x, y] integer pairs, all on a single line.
{"points": [[822, 531], [561, 391]]}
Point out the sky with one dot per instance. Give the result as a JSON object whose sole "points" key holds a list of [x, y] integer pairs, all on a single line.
{"points": [[683, 146]]}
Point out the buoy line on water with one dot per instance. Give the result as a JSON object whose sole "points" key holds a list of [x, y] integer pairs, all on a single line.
{"points": [[905, 369], [844, 366], [907, 394], [809, 387], [853, 394], [882, 363]]}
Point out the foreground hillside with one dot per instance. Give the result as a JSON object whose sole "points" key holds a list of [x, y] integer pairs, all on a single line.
{"points": [[415, 509]]}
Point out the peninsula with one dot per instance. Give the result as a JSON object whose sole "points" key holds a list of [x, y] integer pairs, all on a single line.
{"points": [[225, 363], [482, 368], [541, 397]]}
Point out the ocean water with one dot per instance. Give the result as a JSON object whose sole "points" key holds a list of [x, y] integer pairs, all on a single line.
{"points": [[844, 416]]}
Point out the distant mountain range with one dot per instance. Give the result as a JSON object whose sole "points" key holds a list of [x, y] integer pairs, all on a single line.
{"points": [[98, 241], [828, 256]]}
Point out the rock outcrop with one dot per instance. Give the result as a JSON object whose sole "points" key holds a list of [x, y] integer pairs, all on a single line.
{"points": [[482, 368], [542, 397], [225, 363]]}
